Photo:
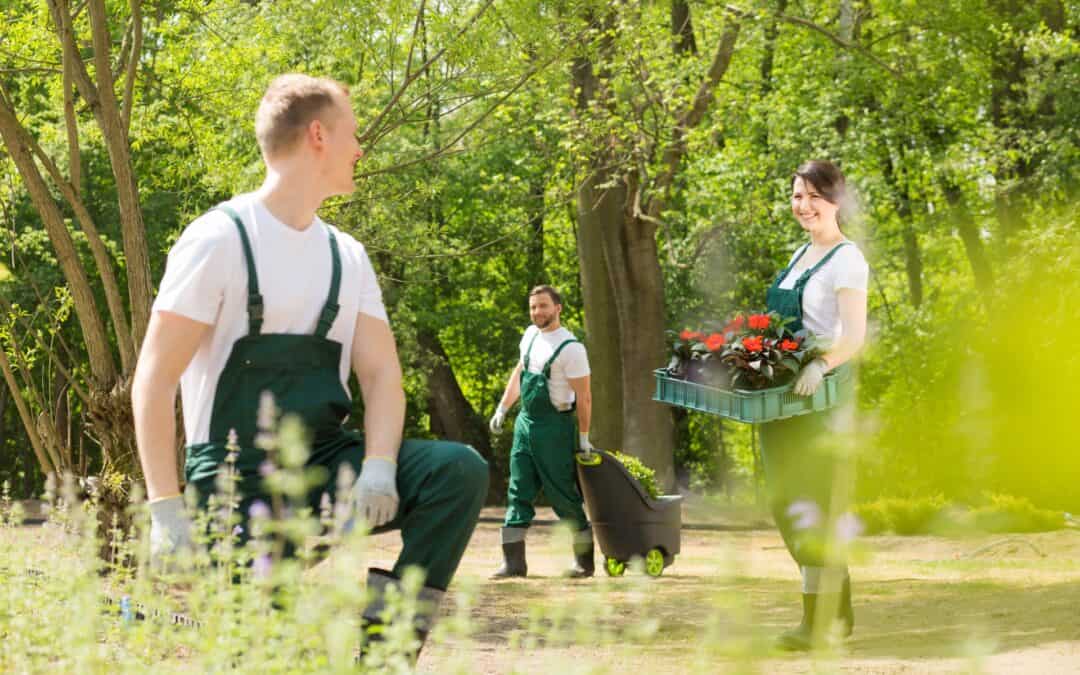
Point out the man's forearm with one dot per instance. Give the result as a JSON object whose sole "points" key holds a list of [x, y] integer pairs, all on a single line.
{"points": [[154, 408], [512, 391], [584, 413], [384, 416]]}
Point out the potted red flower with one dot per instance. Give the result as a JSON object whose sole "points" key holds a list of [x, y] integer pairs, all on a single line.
{"points": [[754, 351], [762, 352], [743, 369]]}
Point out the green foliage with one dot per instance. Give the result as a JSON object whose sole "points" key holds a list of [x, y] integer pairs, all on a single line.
{"points": [[1005, 513], [904, 516], [938, 132], [996, 513], [640, 471]]}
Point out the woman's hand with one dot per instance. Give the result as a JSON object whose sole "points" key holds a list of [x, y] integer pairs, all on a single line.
{"points": [[810, 377]]}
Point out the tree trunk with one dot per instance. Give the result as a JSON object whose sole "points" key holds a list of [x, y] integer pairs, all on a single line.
{"points": [[913, 265], [452, 416], [114, 132], [598, 209], [634, 270], [973, 243], [100, 97], [772, 31], [682, 28], [102, 367], [618, 236]]}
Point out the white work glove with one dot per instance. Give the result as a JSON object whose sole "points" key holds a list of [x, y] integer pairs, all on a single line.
{"points": [[810, 377], [583, 443], [170, 532], [375, 497], [497, 419]]}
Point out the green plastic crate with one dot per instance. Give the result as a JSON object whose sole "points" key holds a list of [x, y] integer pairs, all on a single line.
{"points": [[763, 405]]}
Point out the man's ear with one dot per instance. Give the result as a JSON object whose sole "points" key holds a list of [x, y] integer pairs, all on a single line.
{"points": [[316, 133]]}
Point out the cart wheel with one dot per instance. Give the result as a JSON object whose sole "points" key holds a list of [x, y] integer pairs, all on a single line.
{"points": [[654, 562], [614, 568]]}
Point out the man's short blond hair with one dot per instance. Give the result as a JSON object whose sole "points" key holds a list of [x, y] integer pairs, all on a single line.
{"points": [[289, 105]]}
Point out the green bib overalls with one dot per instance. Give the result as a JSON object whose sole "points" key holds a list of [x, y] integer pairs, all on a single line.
{"points": [[543, 452], [798, 454], [441, 485]]}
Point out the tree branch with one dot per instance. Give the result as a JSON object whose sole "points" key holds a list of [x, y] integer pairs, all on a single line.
{"points": [[839, 41], [71, 125], [411, 77], [133, 64], [416, 32], [446, 149], [102, 258], [102, 365], [65, 32], [47, 467], [691, 117]]}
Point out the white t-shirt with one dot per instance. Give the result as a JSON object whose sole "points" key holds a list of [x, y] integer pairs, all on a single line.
{"points": [[206, 280], [821, 310], [572, 362]]}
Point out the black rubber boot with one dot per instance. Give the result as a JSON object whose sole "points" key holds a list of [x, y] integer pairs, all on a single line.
{"points": [[373, 620], [584, 556], [801, 638], [846, 612], [513, 546], [806, 635]]}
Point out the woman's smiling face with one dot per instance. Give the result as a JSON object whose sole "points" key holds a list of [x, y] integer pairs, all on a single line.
{"points": [[810, 207]]}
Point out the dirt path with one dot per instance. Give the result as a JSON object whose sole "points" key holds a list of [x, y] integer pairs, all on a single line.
{"points": [[923, 605]]}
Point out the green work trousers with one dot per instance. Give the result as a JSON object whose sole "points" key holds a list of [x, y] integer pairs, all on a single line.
{"points": [[808, 474], [441, 485], [543, 457]]}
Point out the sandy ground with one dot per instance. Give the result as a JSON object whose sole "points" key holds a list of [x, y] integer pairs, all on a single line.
{"points": [[995, 604]]}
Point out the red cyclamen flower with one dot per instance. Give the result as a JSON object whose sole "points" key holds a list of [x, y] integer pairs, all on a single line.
{"points": [[759, 321], [714, 342], [752, 344], [789, 345]]}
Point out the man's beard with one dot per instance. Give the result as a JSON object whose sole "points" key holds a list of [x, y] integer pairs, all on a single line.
{"points": [[545, 324]]}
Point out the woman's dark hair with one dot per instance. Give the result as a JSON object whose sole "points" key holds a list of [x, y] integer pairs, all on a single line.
{"points": [[826, 177]]}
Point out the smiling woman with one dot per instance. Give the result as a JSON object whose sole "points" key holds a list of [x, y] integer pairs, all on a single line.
{"points": [[822, 289]]}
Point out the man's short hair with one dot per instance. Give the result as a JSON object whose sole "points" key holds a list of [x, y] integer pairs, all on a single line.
{"points": [[544, 288], [289, 105]]}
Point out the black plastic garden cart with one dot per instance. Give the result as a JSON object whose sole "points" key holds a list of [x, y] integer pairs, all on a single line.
{"points": [[627, 522]]}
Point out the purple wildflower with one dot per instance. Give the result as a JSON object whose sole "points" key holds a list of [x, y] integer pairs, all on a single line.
{"points": [[261, 566], [805, 513], [848, 527], [259, 510]]}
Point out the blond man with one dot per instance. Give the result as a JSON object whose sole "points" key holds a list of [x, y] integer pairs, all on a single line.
{"points": [[261, 295]]}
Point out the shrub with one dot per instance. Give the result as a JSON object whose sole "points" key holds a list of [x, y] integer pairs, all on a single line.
{"points": [[1005, 513], [874, 517], [935, 515]]}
